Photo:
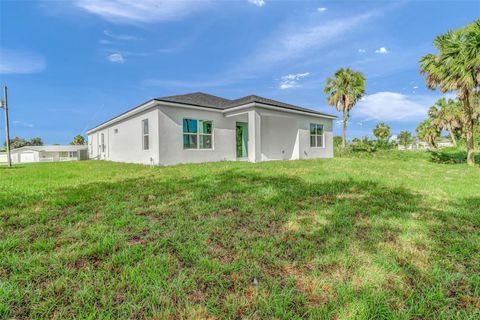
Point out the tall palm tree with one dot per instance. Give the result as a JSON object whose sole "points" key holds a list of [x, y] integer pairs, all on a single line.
{"points": [[428, 132], [447, 115], [457, 67], [343, 91]]}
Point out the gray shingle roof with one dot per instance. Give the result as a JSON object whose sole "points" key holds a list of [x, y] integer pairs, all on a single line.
{"points": [[198, 99], [205, 100], [210, 101]]}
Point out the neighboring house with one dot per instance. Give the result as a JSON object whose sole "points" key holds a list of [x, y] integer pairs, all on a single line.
{"points": [[199, 127], [444, 143], [419, 144], [47, 153]]}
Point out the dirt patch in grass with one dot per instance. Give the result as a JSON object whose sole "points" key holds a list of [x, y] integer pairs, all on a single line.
{"points": [[322, 241]]}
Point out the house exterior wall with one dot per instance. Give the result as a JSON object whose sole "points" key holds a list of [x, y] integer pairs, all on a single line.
{"points": [[25, 156], [279, 138], [307, 152], [273, 135], [123, 140], [287, 137], [171, 136]]}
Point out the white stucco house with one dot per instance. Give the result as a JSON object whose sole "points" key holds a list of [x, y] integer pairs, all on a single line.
{"points": [[49, 153], [199, 127]]}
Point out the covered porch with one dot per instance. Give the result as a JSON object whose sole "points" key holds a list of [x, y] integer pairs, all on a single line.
{"points": [[263, 135]]}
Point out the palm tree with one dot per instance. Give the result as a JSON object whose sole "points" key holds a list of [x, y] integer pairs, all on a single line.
{"points": [[428, 132], [447, 115], [457, 67], [344, 90], [78, 140], [382, 132]]}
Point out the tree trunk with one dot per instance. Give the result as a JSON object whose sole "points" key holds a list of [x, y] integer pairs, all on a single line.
{"points": [[454, 140], [469, 131], [344, 130]]}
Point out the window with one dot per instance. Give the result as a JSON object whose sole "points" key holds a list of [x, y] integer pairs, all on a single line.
{"points": [[115, 131], [316, 135], [102, 139], [197, 134], [145, 135]]}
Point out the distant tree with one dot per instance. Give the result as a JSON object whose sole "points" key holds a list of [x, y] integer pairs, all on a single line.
{"points": [[456, 68], [78, 140], [447, 115], [36, 141], [382, 132], [405, 138], [343, 91], [19, 142], [428, 132]]}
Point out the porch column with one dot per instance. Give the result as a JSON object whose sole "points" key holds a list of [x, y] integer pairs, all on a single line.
{"points": [[254, 136]]}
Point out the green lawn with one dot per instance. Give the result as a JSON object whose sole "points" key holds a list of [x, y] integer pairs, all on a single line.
{"points": [[385, 237]]}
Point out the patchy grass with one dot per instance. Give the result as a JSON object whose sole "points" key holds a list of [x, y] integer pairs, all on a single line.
{"points": [[394, 236]]}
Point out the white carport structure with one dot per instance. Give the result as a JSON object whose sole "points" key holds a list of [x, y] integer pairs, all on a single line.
{"points": [[49, 153]]}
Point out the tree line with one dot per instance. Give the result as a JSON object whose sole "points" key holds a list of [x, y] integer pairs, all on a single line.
{"points": [[455, 68], [19, 142]]}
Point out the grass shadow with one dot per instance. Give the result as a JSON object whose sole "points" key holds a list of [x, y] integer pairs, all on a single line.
{"points": [[191, 246], [450, 156]]}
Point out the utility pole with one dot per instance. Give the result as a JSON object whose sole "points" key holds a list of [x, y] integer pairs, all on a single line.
{"points": [[4, 105]]}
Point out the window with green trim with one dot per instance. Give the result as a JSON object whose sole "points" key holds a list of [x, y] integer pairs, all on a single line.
{"points": [[197, 134]]}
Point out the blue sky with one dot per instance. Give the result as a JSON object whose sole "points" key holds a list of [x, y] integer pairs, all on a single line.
{"points": [[70, 65]]}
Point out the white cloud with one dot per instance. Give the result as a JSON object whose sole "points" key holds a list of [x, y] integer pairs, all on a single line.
{"points": [[321, 9], [107, 42], [362, 51], [258, 3], [125, 37], [382, 50], [24, 124], [116, 58], [415, 87], [20, 62], [291, 80], [393, 106], [145, 11], [297, 41]]}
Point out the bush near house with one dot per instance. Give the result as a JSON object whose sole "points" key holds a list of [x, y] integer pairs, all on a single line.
{"points": [[391, 237]]}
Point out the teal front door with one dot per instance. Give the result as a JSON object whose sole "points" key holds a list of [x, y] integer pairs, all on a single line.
{"points": [[242, 140]]}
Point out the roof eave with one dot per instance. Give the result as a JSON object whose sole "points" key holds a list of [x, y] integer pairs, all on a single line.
{"points": [[281, 109]]}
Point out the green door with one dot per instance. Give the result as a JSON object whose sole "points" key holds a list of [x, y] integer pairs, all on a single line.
{"points": [[242, 140]]}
